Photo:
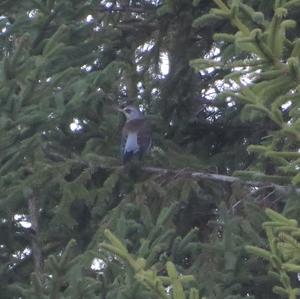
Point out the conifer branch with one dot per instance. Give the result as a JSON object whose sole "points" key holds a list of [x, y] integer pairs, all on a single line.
{"points": [[285, 189], [36, 248], [234, 19], [124, 9], [220, 178]]}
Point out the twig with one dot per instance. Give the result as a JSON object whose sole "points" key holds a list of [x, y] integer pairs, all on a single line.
{"points": [[36, 248], [124, 9], [197, 175], [222, 178]]}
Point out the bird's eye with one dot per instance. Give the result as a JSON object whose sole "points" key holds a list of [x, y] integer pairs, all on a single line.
{"points": [[127, 110]]}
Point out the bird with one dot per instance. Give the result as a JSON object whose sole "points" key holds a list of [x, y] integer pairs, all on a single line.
{"points": [[136, 134]]}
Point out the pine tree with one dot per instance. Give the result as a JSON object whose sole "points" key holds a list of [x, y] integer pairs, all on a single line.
{"points": [[269, 61], [74, 222]]}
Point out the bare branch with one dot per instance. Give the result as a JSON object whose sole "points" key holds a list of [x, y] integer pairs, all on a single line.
{"points": [[222, 178], [284, 189], [124, 9], [36, 247]]}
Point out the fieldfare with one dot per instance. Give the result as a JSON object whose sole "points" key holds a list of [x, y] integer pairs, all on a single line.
{"points": [[136, 134]]}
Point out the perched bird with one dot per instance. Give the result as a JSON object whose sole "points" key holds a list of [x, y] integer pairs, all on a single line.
{"points": [[136, 134]]}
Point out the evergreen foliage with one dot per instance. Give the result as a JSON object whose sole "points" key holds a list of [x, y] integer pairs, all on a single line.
{"points": [[76, 224], [270, 63], [283, 254]]}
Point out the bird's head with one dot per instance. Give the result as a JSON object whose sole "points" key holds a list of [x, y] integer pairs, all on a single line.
{"points": [[131, 112]]}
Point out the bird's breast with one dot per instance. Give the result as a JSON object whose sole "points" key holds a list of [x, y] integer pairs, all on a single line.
{"points": [[131, 144]]}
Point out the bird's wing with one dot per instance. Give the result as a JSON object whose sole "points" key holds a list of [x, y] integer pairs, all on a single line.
{"points": [[139, 141], [123, 141], [144, 139]]}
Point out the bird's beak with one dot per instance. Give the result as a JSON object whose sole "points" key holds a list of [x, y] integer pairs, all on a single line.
{"points": [[118, 109]]}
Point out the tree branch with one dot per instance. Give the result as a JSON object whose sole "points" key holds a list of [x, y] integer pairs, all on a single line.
{"points": [[284, 189], [221, 178], [125, 9], [35, 243]]}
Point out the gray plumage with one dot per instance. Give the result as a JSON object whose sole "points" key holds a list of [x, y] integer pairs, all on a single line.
{"points": [[136, 134]]}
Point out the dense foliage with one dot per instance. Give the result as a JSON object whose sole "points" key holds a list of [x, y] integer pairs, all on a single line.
{"points": [[218, 81]]}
